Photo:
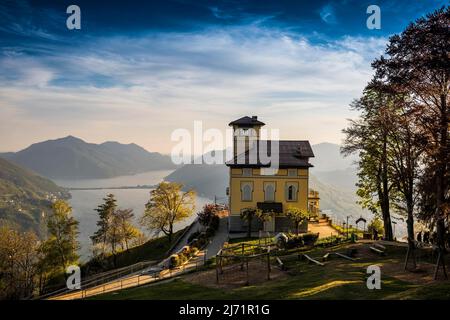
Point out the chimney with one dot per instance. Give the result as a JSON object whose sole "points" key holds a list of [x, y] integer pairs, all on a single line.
{"points": [[254, 118]]}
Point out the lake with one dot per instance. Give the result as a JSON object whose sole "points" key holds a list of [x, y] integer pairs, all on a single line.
{"points": [[84, 202]]}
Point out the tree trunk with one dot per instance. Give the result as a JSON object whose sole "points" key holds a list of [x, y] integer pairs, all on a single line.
{"points": [[249, 230], [410, 226], [385, 194], [170, 233], [441, 170]]}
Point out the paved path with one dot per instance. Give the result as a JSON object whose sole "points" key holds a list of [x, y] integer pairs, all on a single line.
{"points": [[136, 279], [324, 230], [219, 239]]}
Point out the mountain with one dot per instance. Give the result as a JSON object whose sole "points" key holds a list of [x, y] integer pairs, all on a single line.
{"points": [[332, 168], [207, 180], [345, 179], [73, 158], [328, 157], [25, 197]]}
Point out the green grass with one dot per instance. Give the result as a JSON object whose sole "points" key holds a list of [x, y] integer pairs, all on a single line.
{"points": [[439, 291], [173, 290], [340, 279], [154, 249]]}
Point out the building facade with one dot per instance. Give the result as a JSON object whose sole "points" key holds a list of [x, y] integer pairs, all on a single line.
{"points": [[253, 184]]}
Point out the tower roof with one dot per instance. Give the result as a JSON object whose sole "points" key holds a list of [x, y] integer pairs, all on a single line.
{"points": [[247, 122]]}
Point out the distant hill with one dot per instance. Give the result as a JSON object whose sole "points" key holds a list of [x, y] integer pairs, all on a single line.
{"points": [[328, 157], [332, 168], [207, 180], [73, 158], [25, 197]]}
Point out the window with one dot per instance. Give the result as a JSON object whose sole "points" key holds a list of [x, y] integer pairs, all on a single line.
{"points": [[291, 192], [292, 172], [269, 191], [246, 191], [269, 171], [247, 172]]}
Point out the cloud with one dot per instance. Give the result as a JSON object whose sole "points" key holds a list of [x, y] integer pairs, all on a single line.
{"points": [[139, 89]]}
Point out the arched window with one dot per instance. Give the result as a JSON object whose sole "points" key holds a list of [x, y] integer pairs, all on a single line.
{"points": [[291, 192], [269, 192], [246, 192]]}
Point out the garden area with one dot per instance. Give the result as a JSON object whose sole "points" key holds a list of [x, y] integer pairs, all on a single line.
{"points": [[337, 278]]}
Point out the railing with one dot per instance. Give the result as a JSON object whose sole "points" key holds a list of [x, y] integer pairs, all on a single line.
{"points": [[133, 281], [102, 278]]}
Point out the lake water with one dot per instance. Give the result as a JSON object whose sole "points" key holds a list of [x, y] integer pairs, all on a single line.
{"points": [[84, 202]]}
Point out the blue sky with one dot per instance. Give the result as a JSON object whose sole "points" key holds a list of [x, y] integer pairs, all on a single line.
{"points": [[137, 70]]}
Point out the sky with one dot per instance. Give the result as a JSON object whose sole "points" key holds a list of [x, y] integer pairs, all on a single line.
{"points": [[138, 70]]}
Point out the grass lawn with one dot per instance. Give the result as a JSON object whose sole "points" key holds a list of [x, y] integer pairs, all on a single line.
{"points": [[338, 279], [154, 249]]}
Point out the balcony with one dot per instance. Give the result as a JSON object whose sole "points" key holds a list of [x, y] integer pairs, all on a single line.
{"points": [[267, 207]]}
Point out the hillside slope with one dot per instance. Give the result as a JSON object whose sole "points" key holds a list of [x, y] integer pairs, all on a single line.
{"points": [[73, 158], [25, 197]]}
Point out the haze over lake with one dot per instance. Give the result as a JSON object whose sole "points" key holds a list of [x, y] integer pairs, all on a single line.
{"points": [[84, 202]]}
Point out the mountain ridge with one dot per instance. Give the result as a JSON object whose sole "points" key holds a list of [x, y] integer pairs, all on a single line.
{"points": [[26, 197], [73, 158]]}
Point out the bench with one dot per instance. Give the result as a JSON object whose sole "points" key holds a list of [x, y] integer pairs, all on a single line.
{"points": [[313, 260], [344, 256], [281, 264], [379, 246], [377, 251]]}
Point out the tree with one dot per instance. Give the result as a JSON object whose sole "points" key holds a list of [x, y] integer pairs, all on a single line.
{"points": [[248, 214], [405, 153], [207, 214], [297, 216], [417, 63], [105, 212], [375, 226], [18, 263], [60, 249], [123, 223], [168, 204], [369, 136]]}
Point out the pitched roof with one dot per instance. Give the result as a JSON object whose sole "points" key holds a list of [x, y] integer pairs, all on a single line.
{"points": [[294, 154], [246, 121]]}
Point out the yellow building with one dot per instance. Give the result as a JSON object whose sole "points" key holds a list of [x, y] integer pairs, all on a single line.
{"points": [[313, 203], [254, 185]]}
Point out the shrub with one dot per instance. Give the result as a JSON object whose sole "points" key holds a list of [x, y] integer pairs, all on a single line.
{"points": [[193, 236], [207, 214], [296, 241], [310, 238], [174, 261], [376, 225], [193, 252], [215, 221]]}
